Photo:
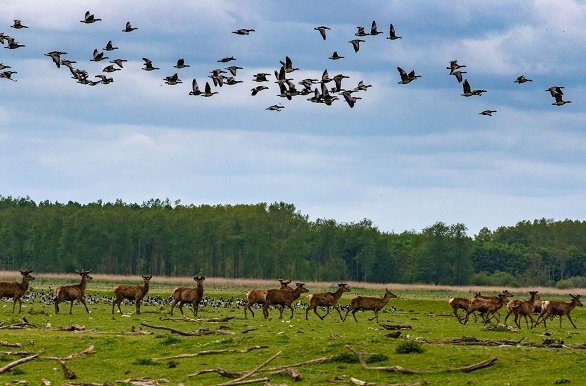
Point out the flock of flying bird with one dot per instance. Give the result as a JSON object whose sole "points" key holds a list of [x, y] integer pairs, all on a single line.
{"points": [[318, 90]]}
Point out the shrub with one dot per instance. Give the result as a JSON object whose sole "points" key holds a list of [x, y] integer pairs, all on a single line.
{"points": [[408, 347], [345, 357]]}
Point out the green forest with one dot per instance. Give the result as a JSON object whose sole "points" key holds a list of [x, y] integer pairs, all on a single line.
{"points": [[275, 240]]}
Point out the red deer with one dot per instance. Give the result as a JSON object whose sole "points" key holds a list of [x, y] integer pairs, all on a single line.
{"points": [[70, 293], [259, 296], [369, 303], [184, 295], [283, 297], [523, 308], [551, 308], [461, 303], [488, 307], [136, 293], [16, 290], [326, 299]]}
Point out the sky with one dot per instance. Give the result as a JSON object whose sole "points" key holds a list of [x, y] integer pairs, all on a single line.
{"points": [[405, 156]]}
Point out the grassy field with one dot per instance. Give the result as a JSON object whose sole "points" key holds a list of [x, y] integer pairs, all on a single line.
{"points": [[125, 349]]}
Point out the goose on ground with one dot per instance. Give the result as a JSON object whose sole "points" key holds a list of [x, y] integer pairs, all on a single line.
{"points": [[458, 75], [226, 59], [559, 101], [487, 112], [181, 63], [208, 91], [468, 90], [194, 88], [56, 56], [322, 30], [89, 18], [148, 65], [522, 79], [361, 31], [393, 34], [129, 27], [257, 89], [110, 46], [351, 100], [407, 77], [335, 56], [18, 24], [374, 30], [243, 31], [233, 69], [172, 80], [454, 66], [98, 56], [356, 44]]}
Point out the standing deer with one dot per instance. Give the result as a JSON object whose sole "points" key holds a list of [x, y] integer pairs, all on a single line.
{"points": [[184, 295], [461, 303], [16, 290], [551, 308], [259, 296], [136, 293], [70, 293], [488, 307], [326, 299], [524, 308], [369, 303], [283, 297]]}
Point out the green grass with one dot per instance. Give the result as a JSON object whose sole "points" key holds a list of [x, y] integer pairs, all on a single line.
{"points": [[120, 355]]}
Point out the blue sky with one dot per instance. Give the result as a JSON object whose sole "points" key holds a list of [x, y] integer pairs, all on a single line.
{"points": [[405, 156]]}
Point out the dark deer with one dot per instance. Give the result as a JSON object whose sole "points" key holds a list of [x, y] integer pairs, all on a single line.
{"points": [[16, 290], [326, 299], [461, 304], [524, 308], [70, 293], [188, 295], [551, 308], [136, 293], [283, 297], [369, 303], [259, 296]]}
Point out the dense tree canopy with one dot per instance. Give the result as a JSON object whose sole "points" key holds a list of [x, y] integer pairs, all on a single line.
{"points": [[275, 240]]}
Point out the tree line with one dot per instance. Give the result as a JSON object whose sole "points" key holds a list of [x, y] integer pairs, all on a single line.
{"points": [[275, 240]]}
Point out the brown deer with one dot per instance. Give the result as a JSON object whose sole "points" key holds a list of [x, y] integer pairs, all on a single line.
{"points": [[326, 299], [551, 308], [184, 295], [259, 296], [16, 290], [487, 307], [369, 303], [136, 293], [283, 297], [523, 308], [70, 293], [461, 303]]}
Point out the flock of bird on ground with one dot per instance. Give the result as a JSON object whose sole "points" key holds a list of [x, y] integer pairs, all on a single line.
{"points": [[318, 90]]}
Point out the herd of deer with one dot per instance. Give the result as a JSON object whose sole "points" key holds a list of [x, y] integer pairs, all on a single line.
{"points": [[486, 306]]}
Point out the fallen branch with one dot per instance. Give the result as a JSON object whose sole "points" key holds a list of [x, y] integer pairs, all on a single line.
{"points": [[468, 369], [309, 362], [210, 352], [211, 320], [222, 372], [396, 326], [16, 353], [238, 381], [291, 371], [87, 351], [247, 382], [8, 344], [200, 332], [18, 362]]}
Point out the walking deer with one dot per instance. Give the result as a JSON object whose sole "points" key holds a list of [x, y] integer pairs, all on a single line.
{"points": [[258, 296], [488, 307], [70, 293], [136, 293], [16, 290], [524, 308], [551, 308], [369, 303], [283, 297], [326, 299], [188, 295]]}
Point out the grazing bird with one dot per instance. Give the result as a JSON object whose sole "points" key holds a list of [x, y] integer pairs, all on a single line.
{"points": [[454, 66], [233, 69], [89, 18], [226, 59], [181, 63], [351, 100], [522, 79], [18, 24], [110, 46], [56, 56], [335, 56], [276, 107], [322, 30], [194, 88], [458, 75], [361, 31], [172, 80], [559, 100], [356, 44], [129, 27], [98, 56], [374, 30], [487, 112], [243, 31], [148, 65], [208, 91], [407, 78], [392, 33], [468, 90]]}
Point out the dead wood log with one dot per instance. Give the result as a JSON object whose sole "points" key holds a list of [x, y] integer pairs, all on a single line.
{"points": [[144, 381], [476, 366], [67, 372], [210, 352], [87, 351], [291, 371], [16, 353], [247, 382], [396, 326], [198, 320], [222, 372], [250, 373], [298, 364], [200, 332], [18, 362], [8, 344]]}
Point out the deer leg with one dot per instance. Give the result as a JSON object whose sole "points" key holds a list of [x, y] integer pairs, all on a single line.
{"points": [[347, 312], [173, 303], [138, 307], [70, 307], [354, 314], [265, 310], [375, 316], [195, 308], [291, 307], [570, 319], [56, 306], [85, 305], [507, 317], [318, 315], [337, 307]]}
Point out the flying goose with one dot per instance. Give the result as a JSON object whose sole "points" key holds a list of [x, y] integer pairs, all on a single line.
{"points": [[18, 24], [148, 65], [110, 68], [226, 59], [13, 44], [522, 79], [458, 75], [231, 81], [98, 56], [454, 66], [322, 30], [487, 112], [233, 69], [8, 75], [288, 64], [559, 100], [119, 62], [110, 46], [392, 34], [172, 80], [243, 31], [208, 91], [362, 86], [56, 56], [356, 44], [335, 56], [2, 37], [276, 107], [351, 100], [360, 31], [89, 18], [68, 63], [257, 89], [129, 27], [555, 90], [338, 81], [468, 90], [194, 88], [104, 79], [374, 30], [261, 77], [3, 66], [407, 78], [181, 63]]}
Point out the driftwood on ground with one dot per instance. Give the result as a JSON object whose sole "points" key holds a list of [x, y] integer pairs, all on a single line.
{"points": [[8, 344], [210, 352], [18, 362], [200, 332]]}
